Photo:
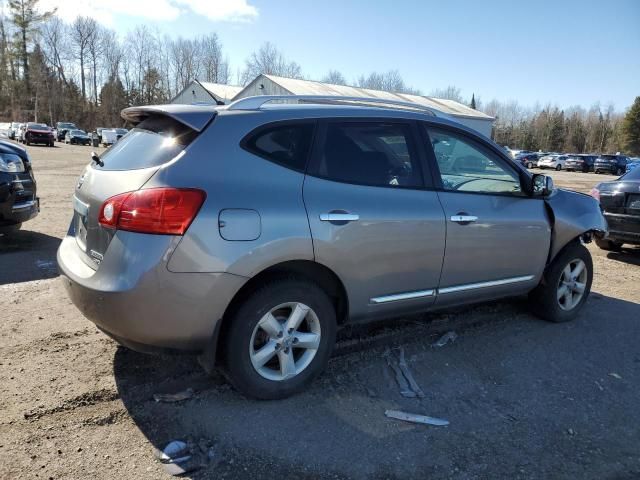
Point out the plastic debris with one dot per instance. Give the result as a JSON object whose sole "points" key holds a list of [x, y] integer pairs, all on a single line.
{"points": [[405, 390], [174, 450], [407, 374], [416, 418], [615, 375], [444, 339], [180, 457], [173, 397]]}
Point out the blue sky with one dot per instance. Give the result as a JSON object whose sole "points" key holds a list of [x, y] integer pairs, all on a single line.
{"points": [[566, 52]]}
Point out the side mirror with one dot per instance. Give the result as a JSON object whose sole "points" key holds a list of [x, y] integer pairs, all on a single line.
{"points": [[542, 185]]}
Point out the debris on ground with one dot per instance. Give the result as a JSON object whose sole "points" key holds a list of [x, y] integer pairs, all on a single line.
{"points": [[615, 375], [571, 431], [173, 397], [444, 339], [405, 390], [416, 418], [180, 457], [407, 374], [600, 386]]}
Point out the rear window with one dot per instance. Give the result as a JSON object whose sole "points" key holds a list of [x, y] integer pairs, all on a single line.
{"points": [[152, 142], [609, 157]]}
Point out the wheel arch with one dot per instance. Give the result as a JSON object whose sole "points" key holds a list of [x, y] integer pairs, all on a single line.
{"points": [[316, 272]]}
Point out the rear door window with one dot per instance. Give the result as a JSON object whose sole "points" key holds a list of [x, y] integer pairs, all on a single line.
{"points": [[378, 154], [286, 144], [152, 142]]}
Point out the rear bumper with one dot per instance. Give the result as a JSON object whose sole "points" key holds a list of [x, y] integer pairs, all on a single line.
{"points": [[137, 301], [18, 200], [623, 228]]}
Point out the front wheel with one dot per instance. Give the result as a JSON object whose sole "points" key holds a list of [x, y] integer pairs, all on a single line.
{"points": [[565, 286], [558, 167], [529, 165], [279, 339]]}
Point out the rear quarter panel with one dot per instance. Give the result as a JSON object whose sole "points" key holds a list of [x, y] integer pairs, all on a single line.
{"points": [[235, 179]]}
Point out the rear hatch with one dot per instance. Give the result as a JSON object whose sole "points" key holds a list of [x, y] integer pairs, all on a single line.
{"points": [[620, 197], [607, 160], [157, 138]]}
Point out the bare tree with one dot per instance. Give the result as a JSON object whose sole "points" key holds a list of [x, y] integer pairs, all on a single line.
{"points": [[449, 93], [214, 68], [269, 60], [83, 32], [54, 35], [334, 77], [390, 81]]}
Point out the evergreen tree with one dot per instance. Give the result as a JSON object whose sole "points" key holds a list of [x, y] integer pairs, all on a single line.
{"points": [[473, 101], [631, 129]]}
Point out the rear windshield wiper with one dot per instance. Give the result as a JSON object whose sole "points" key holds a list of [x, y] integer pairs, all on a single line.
{"points": [[96, 158]]}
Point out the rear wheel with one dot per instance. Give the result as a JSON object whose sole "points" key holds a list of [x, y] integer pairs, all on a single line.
{"points": [[529, 165], [565, 286], [558, 167], [609, 245], [279, 339]]}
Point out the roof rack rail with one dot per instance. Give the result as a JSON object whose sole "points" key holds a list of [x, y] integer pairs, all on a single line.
{"points": [[256, 103]]}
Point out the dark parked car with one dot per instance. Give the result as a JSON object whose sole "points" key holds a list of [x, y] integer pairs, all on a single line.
{"points": [[583, 163], [614, 164], [62, 128], [18, 200], [385, 189], [528, 160], [620, 201], [38, 133], [77, 137]]}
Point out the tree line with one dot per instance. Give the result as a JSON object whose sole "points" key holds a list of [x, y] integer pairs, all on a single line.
{"points": [[83, 72]]}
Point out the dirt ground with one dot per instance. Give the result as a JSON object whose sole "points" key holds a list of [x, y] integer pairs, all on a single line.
{"points": [[524, 398]]}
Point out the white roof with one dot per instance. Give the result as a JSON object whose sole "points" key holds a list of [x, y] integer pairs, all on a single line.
{"points": [[308, 87], [221, 91]]}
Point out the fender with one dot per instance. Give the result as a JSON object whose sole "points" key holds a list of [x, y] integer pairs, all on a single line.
{"points": [[573, 215]]}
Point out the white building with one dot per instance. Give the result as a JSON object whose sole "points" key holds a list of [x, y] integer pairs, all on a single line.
{"points": [[198, 92], [273, 85]]}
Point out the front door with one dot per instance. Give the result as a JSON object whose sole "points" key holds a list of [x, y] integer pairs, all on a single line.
{"points": [[497, 236], [372, 220]]}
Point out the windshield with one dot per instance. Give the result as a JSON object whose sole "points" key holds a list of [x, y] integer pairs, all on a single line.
{"points": [[37, 125], [66, 125], [77, 132], [121, 131], [633, 174]]}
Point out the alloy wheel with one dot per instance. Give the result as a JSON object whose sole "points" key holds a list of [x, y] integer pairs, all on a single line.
{"points": [[572, 283], [285, 341]]}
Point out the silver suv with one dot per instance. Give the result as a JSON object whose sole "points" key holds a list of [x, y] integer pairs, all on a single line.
{"points": [[251, 232]]}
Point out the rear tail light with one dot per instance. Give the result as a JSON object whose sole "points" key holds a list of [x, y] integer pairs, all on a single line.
{"points": [[166, 211], [595, 193]]}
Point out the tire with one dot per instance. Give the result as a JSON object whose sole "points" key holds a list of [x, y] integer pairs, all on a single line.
{"points": [[558, 167], [242, 336], [9, 229], [619, 172], [544, 300], [529, 165], [608, 245]]}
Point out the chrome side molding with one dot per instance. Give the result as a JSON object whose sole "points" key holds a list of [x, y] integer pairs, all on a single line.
{"points": [[492, 283], [402, 296], [457, 288]]}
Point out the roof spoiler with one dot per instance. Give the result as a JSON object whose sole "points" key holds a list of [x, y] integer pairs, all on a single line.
{"points": [[196, 117]]}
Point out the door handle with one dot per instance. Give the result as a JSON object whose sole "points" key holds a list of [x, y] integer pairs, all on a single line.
{"points": [[339, 217], [463, 219]]}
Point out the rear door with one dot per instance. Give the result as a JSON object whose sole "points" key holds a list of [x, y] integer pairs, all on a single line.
{"points": [[374, 220], [128, 165], [497, 237]]}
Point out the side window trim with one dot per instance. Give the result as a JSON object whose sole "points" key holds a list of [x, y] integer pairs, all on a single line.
{"points": [[245, 142], [414, 147], [434, 168]]}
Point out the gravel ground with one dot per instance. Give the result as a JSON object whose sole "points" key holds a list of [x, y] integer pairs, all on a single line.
{"points": [[524, 398]]}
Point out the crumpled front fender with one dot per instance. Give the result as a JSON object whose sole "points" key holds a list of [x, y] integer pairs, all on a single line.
{"points": [[573, 214]]}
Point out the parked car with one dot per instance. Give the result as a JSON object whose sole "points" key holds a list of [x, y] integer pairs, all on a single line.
{"points": [[20, 132], [62, 128], [581, 162], [515, 153], [633, 163], [38, 133], [18, 200], [77, 137], [614, 164], [13, 128], [552, 161], [620, 201], [112, 135], [528, 160], [384, 189]]}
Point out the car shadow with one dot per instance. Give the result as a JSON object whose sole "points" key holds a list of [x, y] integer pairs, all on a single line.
{"points": [[627, 255], [490, 371], [27, 255]]}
